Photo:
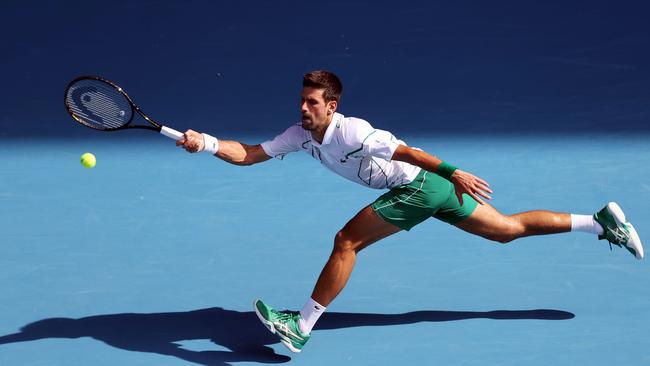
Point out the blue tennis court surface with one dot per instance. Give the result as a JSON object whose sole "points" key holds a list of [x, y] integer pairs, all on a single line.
{"points": [[155, 256]]}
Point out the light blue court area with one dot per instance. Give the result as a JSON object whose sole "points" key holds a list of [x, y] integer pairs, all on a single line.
{"points": [[155, 256]]}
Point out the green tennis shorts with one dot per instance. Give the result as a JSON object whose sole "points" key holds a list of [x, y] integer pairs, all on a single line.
{"points": [[428, 195]]}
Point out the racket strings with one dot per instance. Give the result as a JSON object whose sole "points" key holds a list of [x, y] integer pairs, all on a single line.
{"points": [[98, 104]]}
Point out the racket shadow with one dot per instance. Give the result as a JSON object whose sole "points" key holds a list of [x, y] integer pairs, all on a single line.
{"points": [[239, 332]]}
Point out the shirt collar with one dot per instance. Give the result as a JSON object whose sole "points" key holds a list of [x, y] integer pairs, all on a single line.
{"points": [[336, 121]]}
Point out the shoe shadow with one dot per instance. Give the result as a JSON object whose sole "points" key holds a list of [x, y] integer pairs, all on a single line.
{"points": [[239, 332]]}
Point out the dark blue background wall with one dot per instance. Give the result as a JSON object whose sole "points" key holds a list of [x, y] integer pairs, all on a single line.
{"points": [[410, 66]]}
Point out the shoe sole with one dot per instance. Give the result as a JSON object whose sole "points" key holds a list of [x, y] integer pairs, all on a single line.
{"points": [[635, 242], [269, 325]]}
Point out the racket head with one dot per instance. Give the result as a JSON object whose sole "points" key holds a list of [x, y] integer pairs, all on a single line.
{"points": [[98, 103]]}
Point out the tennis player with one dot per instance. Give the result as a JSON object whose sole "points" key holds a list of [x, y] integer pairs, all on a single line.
{"points": [[419, 186]]}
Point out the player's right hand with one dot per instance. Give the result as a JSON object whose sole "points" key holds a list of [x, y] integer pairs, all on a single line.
{"points": [[191, 141]]}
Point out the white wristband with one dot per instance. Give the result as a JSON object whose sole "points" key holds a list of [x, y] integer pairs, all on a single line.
{"points": [[210, 144]]}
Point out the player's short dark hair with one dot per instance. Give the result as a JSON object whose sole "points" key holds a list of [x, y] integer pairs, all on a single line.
{"points": [[322, 79]]}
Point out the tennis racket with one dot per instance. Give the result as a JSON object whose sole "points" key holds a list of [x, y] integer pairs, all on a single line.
{"points": [[100, 104]]}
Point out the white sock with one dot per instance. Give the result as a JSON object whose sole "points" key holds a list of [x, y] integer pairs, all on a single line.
{"points": [[585, 223], [309, 316]]}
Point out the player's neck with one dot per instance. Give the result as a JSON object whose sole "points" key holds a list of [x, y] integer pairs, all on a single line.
{"points": [[318, 133]]}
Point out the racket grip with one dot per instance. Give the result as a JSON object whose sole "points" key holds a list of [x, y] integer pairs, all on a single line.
{"points": [[171, 133]]}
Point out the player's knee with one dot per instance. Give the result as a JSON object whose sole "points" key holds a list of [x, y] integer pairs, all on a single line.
{"points": [[505, 238], [342, 242], [510, 231], [497, 237]]}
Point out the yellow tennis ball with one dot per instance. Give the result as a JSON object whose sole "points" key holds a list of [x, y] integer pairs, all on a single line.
{"points": [[88, 160]]}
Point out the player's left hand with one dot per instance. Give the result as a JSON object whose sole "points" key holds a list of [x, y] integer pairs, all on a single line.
{"points": [[470, 184]]}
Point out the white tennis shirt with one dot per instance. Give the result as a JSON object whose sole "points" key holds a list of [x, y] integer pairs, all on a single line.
{"points": [[351, 148]]}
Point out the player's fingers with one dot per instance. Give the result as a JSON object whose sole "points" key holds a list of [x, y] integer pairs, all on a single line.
{"points": [[194, 144], [185, 143], [477, 198], [484, 195], [459, 195], [188, 137], [191, 146], [192, 140], [484, 188], [482, 181], [481, 190]]}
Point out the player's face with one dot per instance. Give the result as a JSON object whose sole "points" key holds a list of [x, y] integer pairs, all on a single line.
{"points": [[315, 111]]}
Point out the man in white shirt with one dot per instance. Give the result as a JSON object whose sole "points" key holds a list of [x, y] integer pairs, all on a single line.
{"points": [[420, 186]]}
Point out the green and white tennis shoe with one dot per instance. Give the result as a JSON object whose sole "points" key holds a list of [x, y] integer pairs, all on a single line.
{"points": [[283, 323], [617, 231]]}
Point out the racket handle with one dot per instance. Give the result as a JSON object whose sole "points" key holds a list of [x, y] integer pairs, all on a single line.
{"points": [[171, 133]]}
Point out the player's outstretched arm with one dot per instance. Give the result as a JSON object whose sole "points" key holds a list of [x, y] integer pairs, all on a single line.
{"points": [[233, 152], [463, 181]]}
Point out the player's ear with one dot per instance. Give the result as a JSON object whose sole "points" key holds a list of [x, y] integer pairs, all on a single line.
{"points": [[331, 107]]}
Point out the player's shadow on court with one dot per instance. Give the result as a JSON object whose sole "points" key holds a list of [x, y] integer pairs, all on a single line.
{"points": [[240, 333]]}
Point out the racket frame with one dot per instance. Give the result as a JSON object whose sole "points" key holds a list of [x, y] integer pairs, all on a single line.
{"points": [[154, 126]]}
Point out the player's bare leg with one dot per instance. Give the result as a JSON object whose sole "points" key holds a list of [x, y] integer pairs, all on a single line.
{"points": [[294, 328], [489, 223], [612, 225], [366, 227], [361, 231]]}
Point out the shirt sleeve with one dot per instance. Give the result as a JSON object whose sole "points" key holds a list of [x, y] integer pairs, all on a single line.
{"points": [[288, 141]]}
